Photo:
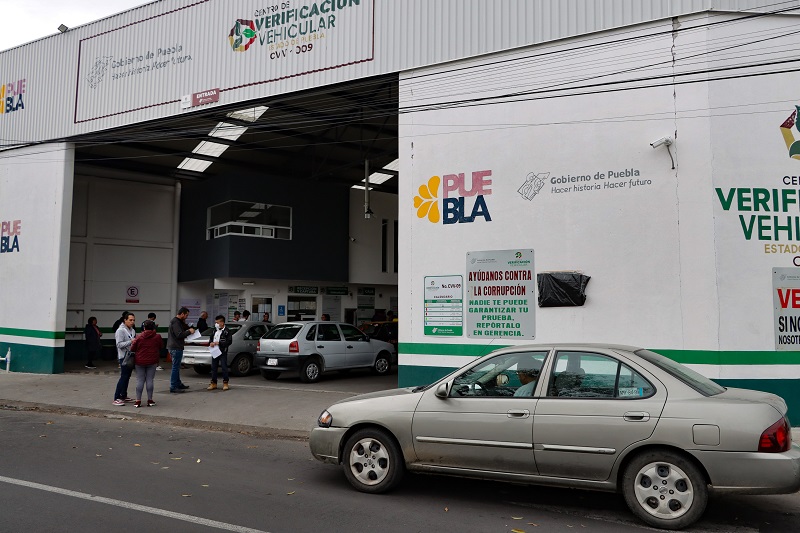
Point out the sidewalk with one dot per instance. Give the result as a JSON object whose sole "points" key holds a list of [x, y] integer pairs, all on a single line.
{"points": [[284, 409]]}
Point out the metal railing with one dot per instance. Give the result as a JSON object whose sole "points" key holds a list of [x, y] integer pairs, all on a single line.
{"points": [[7, 360]]}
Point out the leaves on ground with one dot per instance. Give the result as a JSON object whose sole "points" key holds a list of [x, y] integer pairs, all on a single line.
{"points": [[176, 458], [198, 460], [290, 493], [516, 518], [138, 445], [186, 495]]}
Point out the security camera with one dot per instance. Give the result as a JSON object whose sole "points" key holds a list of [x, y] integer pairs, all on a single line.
{"points": [[663, 141]]}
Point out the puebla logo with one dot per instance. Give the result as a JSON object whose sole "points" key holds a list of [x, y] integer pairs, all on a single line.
{"points": [[787, 130], [460, 205], [242, 35]]}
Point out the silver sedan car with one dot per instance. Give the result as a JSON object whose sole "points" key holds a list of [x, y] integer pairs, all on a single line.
{"points": [[602, 417]]}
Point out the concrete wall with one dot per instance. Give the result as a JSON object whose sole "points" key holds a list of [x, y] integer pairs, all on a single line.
{"points": [[366, 241], [35, 207]]}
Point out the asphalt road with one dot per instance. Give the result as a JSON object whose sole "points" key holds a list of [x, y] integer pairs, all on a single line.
{"points": [[70, 473]]}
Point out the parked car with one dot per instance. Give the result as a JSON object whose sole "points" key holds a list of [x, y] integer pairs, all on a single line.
{"points": [[240, 353], [312, 348], [599, 417], [386, 331]]}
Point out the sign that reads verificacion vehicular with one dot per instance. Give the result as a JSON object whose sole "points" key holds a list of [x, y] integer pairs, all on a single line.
{"points": [[501, 289], [786, 300], [444, 306]]}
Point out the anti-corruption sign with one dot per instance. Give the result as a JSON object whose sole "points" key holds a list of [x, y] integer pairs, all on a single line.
{"points": [[786, 302], [501, 294]]}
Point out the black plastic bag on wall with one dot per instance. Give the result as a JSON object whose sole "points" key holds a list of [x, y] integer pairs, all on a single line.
{"points": [[562, 289]]}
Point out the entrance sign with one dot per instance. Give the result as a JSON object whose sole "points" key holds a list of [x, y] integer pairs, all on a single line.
{"points": [[786, 300], [501, 294], [132, 294], [444, 306]]}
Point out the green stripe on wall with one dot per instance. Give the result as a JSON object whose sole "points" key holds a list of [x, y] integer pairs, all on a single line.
{"points": [[33, 333], [33, 359], [695, 357]]}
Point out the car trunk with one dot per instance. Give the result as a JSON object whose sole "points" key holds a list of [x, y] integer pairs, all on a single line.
{"points": [[754, 396]]}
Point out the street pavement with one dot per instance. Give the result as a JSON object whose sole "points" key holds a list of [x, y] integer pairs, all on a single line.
{"points": [[286, 408]]}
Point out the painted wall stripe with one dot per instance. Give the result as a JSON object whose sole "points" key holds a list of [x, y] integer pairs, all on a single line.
{"points": [[32, 341], [697, 357], [32, 333], [132, 506]]}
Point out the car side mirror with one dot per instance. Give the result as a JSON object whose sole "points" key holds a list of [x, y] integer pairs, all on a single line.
{"points": [[365, 338], [442, 390]]}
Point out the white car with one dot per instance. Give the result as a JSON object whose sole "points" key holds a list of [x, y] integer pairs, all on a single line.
{"points": [[311, 348]]}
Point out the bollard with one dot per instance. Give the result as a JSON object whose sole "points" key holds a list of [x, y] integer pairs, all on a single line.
{"points": [[7, 359]]}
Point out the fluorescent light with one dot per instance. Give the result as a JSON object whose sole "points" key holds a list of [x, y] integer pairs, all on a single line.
{"points": [[377, 178], [223, 130], [361, 187], [249, 115], [249, 214], [394, 165], [196, 165], [210, 149]]}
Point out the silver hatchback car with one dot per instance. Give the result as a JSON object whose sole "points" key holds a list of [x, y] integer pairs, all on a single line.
{"points": [[243, 347], [600, 417], [311, 348]]}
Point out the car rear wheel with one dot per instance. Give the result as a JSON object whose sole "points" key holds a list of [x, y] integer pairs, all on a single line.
{"points": [[383, 364], [310, 371], [665, 490], [270, 374], [203, 370], [241, 365], [372, 461]]}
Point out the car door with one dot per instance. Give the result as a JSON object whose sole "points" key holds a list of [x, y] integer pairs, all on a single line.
{"points": [[480, 425], [330, 346], [359, 350], [595, 405]]}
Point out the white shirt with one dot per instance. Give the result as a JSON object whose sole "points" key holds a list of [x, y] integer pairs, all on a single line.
{"points": [[527, 389], [217, 335]]}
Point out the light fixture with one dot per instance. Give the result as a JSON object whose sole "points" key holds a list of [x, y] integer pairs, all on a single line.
{"points": [[63, 29], [248, 283]]}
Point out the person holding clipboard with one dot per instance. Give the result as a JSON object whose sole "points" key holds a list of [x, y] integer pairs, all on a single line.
{"points": [[218, 347]]}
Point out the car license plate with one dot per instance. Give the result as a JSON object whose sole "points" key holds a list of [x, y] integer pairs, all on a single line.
{"points": [[272, 362]]}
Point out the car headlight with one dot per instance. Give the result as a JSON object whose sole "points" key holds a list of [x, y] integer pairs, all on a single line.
{"points": [[325, 419]]}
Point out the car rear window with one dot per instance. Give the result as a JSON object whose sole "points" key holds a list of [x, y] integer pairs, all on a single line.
{"points": [[697, 381], [287, 331]]}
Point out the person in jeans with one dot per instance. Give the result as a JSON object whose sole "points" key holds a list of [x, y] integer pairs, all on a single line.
{"points": [[147, 348], [176, 338], [93, 347], [124, 338], [222, 338]]}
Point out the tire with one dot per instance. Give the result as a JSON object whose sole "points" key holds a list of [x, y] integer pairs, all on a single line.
{"points": [[664, 489], [311, 370], [383, 364], [203, 370], [241, 365], [270, 375], [381, 469]]}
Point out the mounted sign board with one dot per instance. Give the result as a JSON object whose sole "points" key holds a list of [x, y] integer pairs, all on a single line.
{"points": [[444, 306], [132, 294], [786, 300]]}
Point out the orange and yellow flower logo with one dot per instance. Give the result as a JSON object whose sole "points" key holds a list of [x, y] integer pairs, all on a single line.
{"points": [[427, 203]]}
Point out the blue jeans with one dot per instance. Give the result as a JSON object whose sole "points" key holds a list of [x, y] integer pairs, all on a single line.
{"points": [[122, 385], [215, 363], [175, 378]]}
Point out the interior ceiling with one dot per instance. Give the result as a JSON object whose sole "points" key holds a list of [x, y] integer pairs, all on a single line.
{"points": [[323, 134]]}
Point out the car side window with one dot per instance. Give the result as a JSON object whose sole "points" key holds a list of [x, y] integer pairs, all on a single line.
{"points": [[351, 333], [328, 332], [312, 333], [256, 332], [592, 375], [508, 375]]}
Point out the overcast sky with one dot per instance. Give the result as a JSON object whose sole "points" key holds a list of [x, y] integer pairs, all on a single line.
{"points": [[23, 21]]}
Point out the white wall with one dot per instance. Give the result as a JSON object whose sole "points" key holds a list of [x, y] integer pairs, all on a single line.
{"points": [[122, 236], [365, 238]]}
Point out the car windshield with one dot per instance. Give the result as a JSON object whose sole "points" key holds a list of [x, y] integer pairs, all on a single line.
{"points": [[233, 328], [284, 331], [697, 381]]}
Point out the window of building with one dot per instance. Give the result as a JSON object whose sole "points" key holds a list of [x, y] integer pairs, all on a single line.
{"points": [[247, 219]]}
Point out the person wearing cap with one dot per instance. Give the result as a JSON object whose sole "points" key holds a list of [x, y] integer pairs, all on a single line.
{"points": [[528, 374]]}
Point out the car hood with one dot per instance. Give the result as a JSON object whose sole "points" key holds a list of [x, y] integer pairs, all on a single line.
{"points": [[748, 395], [376, 344], [379, 394]]}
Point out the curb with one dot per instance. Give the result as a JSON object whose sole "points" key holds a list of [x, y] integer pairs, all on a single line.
{"points": [[253, 431]]}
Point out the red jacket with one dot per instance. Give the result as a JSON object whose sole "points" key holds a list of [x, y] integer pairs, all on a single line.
{"points": [[147, 347]]}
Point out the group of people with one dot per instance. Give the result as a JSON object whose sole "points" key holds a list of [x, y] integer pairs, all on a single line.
{"points": [[147, 347]]}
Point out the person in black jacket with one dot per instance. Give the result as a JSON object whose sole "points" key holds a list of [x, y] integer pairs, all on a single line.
{"points": [[93, 347], [222, 339], [176, 338], [202, 325]]}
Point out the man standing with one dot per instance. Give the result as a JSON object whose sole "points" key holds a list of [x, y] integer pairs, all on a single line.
{"points": [[176, 338], [124, 338], [245, 315], [265, 318], [237, 316], [222, 339], [202, 325]]}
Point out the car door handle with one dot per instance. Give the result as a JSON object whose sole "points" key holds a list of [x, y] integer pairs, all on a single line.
{"points": [[320, 346], [636, 416], [349, 345], [518, 413]]}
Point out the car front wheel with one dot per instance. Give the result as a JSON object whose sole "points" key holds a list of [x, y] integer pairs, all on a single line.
{"points": [[372, 461], [310, 371], [383, 364], [665, 490]]}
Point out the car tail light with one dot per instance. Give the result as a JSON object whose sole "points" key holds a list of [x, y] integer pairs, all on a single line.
{"points": [[776, 438], [294, 347], [259, 345]]}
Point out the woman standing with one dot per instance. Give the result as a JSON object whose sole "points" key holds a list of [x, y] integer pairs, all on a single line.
{"points": [[93, 347], [147, 348]]}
